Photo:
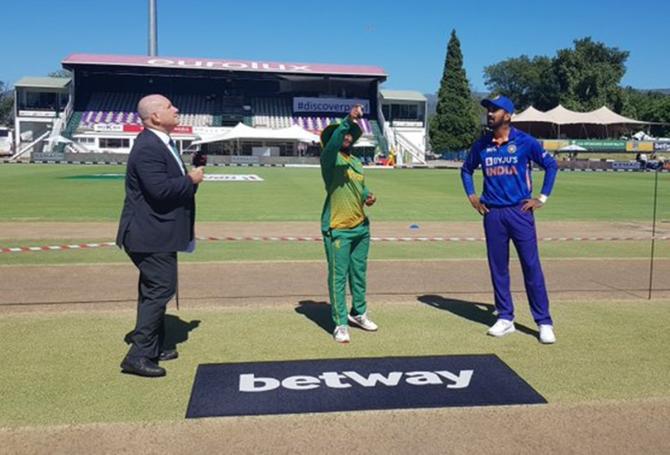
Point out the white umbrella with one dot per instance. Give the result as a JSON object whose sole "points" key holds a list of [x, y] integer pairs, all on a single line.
{"points": [[244, 132], [364, 142], [572, 148], [298, 133]]}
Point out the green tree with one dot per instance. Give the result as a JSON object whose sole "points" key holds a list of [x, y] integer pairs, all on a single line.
{"points": [[455, 124], [61, 73], [589, 75], [582, 78], [648, 106], [527, 81], [6, 105]]}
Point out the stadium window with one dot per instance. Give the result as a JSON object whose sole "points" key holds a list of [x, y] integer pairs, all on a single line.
{"points": [[396, 111], [247, 147], [114, 143], [386, 111], [286, 149], [412, 111], [404, 112]]}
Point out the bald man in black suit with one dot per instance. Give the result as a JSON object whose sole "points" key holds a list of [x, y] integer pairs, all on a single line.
{"points": [[156, 222]]}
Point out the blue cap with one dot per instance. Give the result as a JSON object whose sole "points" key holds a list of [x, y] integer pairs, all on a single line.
{"points": [[500, 102]]}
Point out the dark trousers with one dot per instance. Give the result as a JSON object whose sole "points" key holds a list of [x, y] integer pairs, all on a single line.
{"points": [[157, 284]]}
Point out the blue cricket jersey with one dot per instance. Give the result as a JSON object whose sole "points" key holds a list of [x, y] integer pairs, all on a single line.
{"points": [[507, 168]]}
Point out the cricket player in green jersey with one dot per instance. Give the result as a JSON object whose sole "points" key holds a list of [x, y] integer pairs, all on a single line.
{"points": [[345, 228]]}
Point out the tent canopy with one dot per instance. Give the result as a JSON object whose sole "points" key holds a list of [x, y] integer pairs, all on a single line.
{"points": [[530, 115], [244, 132], [573, 148], [562, 116]]}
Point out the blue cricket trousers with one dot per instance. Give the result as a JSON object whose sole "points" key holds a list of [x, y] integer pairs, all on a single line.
{"points": [[500, 225]]}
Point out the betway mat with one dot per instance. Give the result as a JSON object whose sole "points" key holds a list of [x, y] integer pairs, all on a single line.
{"points": [[289, 387]]}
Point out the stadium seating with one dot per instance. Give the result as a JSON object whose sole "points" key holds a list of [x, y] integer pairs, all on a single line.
{"points": [[114, 108], [119, 108], [316, 124], [271, 112]]}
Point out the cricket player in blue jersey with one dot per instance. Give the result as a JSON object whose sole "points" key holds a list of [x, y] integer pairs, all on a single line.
{"points": [[507, 204]]}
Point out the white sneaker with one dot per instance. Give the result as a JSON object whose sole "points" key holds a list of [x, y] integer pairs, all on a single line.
{"points": [[341, 334], [501, 328], [547, 335], [363, 322]]}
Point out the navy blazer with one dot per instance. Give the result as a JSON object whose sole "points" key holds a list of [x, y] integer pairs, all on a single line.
{"points": [[159, 209]]}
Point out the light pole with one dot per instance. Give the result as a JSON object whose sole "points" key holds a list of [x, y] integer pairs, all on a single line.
{"points": [[153, 29]]}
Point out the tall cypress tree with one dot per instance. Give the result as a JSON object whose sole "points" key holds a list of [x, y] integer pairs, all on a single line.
{"points": [[455, 125]]}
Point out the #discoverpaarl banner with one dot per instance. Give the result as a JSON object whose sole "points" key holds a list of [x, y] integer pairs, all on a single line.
{"points": [[328, 105]]}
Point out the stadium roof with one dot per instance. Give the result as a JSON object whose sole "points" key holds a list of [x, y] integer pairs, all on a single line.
{"points": [[230, 65], [402, 95], [43, 82], [562, 116]]}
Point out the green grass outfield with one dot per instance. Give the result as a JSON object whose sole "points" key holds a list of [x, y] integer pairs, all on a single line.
{"points": [[77, 193], [64, 367]]}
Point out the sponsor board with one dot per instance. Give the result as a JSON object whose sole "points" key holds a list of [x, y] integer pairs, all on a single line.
{"points": [[136, 128], [107, 127], [46, 114], [222, 65], [601, 145], [244, 159], [407, 124], [626, 165], [662, 146], [639, 146]]}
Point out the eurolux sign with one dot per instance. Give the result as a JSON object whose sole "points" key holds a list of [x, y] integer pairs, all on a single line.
{"points": [[224, 65]]}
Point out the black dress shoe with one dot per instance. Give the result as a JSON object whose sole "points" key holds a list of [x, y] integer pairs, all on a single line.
{"points": [[170, 354], [142, 367]]}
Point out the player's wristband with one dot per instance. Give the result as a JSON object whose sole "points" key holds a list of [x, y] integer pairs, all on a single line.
{"points": [[542, 198]]}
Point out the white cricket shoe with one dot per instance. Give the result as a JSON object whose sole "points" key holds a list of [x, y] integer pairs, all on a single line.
{"points": [[363, 322], [341, 334], [547, 335], [501, 328]]}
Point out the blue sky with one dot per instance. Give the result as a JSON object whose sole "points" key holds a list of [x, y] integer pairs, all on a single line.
{"points": [[408, 39]]}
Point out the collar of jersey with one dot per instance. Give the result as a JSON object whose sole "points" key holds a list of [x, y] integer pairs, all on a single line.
{"points": [[513, 133], [354, 162]]}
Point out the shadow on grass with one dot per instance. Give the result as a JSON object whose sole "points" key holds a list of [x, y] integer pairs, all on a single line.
{"points": [[176, 331], [479, 312], [318, 313]]}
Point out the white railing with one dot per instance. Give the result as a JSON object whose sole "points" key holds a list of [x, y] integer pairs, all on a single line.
{"points": [[29, 146], [404, 145], [384, 127], [68, 110], [56, 129]]}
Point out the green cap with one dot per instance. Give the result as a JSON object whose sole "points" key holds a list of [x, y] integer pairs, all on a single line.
{"points": [[355, 131]]}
